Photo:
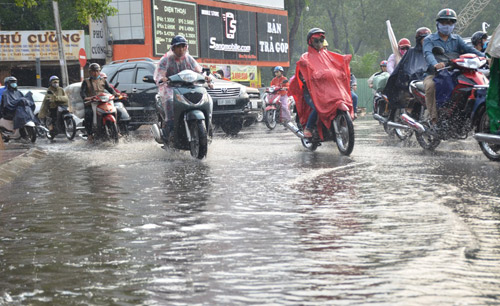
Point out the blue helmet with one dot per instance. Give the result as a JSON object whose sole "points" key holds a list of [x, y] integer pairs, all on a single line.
{"points": [[278, 68], [178, 40]]}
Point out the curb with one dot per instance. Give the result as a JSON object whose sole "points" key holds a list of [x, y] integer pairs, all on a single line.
{"points": [[14, 167]]}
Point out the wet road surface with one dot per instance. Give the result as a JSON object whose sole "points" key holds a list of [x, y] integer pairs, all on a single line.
{"points": [[260, 221]]}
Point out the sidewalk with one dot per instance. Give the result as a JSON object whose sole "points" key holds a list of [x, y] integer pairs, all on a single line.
{"points": [[15, 159]]}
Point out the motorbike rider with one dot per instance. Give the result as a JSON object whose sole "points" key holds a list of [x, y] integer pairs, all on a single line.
{"points": [[383, 68], [445, 24], [479, 40], [174, 61], [281, 82], [91, 87], [55, 97], [404, 45], [411, 67], [316, 97], [10, 94]]}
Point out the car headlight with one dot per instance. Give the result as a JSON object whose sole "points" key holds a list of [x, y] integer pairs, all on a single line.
{"points": [[243, 93]]}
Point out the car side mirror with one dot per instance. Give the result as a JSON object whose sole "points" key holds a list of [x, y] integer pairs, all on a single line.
{"points": [[148, 79], [438, 51]]}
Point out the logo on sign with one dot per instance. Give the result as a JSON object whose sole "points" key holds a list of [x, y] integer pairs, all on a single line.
{"points": [[230, 24]]}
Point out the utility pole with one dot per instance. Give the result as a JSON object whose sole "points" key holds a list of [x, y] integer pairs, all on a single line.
{"points": [[62, 57]]}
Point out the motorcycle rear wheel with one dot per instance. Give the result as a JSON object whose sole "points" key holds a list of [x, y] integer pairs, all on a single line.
{"points": [[427, 141], [344, 132], [70, 127], [29, 133], [492, 151], [270, 118], [199, 139]]}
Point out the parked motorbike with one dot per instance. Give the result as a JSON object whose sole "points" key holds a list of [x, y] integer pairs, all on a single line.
{"points": [[104, 124], [19, 121], [272, 110], [64, 123], [458, 115], [192, 114], [341, 131], [390, 118]]}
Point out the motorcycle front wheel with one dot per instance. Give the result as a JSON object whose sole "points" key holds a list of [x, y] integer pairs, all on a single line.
{"points": [[29, 133], [199, 139], [112, 131], [490, 150], [427, 141], [344, 132], [270, 117], [70, 127], [402, 134]]}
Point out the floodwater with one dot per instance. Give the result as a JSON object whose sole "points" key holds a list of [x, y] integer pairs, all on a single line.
{"points": [[260, 221]]}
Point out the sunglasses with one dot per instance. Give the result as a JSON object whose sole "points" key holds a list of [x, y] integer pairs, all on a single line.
{"points": [[318, 40], [405, 48], [182, 45]]}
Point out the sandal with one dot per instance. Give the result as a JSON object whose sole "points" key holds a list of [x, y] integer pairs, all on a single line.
{"points": [[308, 133]]}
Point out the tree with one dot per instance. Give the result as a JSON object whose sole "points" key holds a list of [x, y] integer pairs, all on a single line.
{"points": [[84, 8]]}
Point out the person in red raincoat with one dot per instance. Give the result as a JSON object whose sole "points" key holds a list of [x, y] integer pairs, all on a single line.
{"points": [[321, 84]]}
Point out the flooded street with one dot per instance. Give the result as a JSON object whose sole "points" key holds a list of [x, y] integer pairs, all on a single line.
{"points": [[260, 221]]}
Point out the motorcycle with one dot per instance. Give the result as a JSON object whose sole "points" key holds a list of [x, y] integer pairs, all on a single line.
{"points": [[104, 124], [192, 114], [272, 111], [121, 101], [19, 122], [390, 119], [460, 113], [341, 131], [64, 123]]}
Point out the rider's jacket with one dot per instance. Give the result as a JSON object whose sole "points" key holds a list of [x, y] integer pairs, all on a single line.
{"points": [[55, 97], [91, 87], [278, 82]]}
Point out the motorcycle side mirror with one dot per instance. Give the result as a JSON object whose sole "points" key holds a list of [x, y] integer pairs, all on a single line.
{"points": [[438, 51], [116, 85], [148, 79]]}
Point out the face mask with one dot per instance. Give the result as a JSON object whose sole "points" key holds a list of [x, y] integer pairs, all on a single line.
{"points": [[402, 51], [445, 29], [485, 45], [55, 85], [13, 85]]}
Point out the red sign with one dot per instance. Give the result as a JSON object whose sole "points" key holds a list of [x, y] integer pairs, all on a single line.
{"points": [[82, 57]]}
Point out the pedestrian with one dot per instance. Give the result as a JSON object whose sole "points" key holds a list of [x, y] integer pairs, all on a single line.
{"points": [[354, 87]]}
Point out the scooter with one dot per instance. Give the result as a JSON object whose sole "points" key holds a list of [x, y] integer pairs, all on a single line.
{"points": [[104, 125], [121, 101], [15, 127], [390, 119], [273, 107], [341, 131], [64, 123], [458, 115], [192, 114]]}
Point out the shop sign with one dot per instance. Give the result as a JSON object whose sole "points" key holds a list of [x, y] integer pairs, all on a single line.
{"points": [[227, 34], [30, 45], [272, 36], [97, 38], [171, 18]]}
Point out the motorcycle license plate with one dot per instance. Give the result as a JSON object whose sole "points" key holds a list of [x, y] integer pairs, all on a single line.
{"points": [[226, 102]]}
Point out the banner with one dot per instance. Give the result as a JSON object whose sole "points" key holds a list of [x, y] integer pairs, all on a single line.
{"points": [[272, 36], [236, 73], [97, 39], [28, 45]]}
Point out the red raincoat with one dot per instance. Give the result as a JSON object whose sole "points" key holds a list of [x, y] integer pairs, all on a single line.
{"points": [[327, 75]]}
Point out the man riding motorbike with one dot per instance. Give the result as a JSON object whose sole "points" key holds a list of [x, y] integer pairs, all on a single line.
{"points": [[411, 67], [478, 40], [281, 82], [91, 87], [322, 79], [174, 61], [55, 97], [9, 94], [404, 45], [445, 24]]}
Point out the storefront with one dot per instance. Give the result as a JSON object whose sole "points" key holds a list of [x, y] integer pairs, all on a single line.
{"points": [[240, 39]]}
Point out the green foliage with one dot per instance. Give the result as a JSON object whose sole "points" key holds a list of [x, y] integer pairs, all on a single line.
{"points": [[37, 14], [363, 66]]}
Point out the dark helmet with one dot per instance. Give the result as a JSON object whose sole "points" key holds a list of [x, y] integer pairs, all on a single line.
{"points": [[10, 80], [446, 14], [53, 78], [383, 64], [278, 68], [95, 67], [314, 31], [422, 32], [478, 37], [178, 40]]}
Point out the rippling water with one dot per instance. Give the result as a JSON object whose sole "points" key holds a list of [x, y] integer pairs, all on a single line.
{"points": [[260, 221]]}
